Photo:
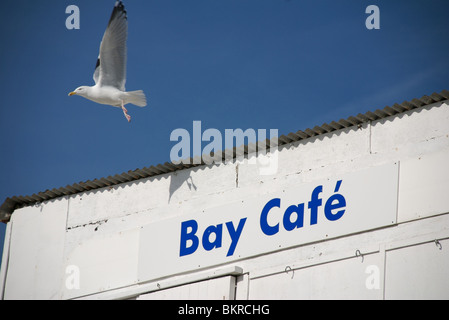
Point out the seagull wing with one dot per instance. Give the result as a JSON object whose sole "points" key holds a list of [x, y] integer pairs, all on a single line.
{"points": [[110, 69]]}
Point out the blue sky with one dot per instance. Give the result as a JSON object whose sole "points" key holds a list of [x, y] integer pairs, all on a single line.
{"points": [[262, 64]]}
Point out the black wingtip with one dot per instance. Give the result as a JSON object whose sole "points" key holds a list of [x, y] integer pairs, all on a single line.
{"points": [[119, 3], [119, 9]]}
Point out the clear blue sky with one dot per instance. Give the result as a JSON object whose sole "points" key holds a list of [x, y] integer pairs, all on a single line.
{"points": [[262, 64]]}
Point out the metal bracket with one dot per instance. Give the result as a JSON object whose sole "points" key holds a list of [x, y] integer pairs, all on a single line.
{"points": [[358, 253], [288, 269]]}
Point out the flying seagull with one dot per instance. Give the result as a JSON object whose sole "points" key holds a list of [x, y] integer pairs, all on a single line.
{"points": [[110, 70]]}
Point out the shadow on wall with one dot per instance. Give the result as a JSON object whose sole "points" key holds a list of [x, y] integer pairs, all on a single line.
{"points": [[177, 179]]}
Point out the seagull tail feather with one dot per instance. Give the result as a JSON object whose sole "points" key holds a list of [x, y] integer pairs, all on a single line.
{"points": [[137, 97]]}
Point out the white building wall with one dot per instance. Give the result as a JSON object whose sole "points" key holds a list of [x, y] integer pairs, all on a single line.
{"points": [[87, 245]]}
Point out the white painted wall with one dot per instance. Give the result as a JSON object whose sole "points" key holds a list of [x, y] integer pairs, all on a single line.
{"points": [[98, 232]]}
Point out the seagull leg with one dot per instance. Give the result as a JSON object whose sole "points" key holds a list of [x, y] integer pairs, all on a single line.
{"points": [[125, 112]]}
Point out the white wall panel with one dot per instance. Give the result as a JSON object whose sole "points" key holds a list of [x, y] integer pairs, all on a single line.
{"points": [[418, 272], [343, 279], [183, 244], [423, 186], [104, 262], [35, 266]]}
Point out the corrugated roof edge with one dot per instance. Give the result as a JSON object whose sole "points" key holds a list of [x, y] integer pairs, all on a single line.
{"points": [[10, 204]]}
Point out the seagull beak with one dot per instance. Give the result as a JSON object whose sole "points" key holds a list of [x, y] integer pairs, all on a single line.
{"points": [[72, 93]]}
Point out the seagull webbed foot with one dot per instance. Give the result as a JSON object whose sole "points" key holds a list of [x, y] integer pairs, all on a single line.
{"points": [[125, 112]]}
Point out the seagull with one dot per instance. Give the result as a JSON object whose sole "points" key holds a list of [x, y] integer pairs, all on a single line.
{"points": [[110, 70]]}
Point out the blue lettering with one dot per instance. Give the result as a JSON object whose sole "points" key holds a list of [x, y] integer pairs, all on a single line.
{"points": [[314, 203], [299, 222], [266, 228], [293, 218], [335, 202], [217, 230], [190, 242], [235, 235], [340, 203], [188, 235], [334, 209]]}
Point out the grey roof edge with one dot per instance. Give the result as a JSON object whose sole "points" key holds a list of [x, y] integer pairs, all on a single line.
{"points": [[10, 204]]}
